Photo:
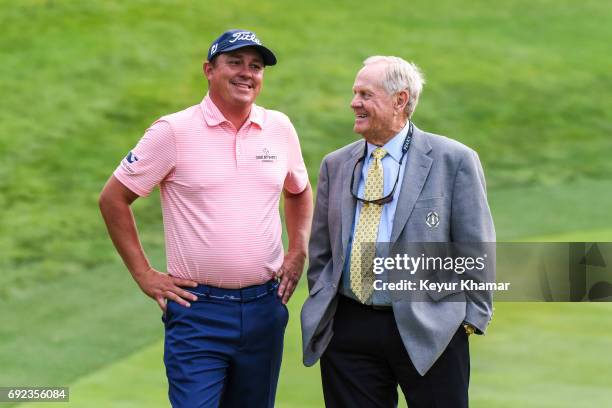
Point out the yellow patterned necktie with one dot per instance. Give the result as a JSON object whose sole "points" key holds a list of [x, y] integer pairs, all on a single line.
{"points": [[364, 241]]}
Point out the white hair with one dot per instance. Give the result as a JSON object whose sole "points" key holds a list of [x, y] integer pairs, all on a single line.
{"points": [[400, 75]]}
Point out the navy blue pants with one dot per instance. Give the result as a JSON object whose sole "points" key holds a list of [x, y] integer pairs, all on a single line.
{"points": [[226, 349]]}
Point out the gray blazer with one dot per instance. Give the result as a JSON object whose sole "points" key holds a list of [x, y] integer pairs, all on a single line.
{"points": [[441, 175]]}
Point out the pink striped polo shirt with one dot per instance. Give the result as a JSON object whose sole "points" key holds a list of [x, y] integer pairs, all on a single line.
{"points": [[220, 190]]}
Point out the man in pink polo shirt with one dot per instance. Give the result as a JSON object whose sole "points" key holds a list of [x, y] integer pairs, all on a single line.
{"points": [[221, 167]]}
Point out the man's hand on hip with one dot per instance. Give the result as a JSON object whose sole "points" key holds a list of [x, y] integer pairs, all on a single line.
{"points": [[289, 274], [161, 286]]}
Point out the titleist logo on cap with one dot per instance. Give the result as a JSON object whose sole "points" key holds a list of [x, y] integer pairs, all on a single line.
{"points": [[245, 36]]}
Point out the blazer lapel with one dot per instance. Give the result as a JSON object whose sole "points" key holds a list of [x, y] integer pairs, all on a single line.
{"points": [[418, 164], [347, 200]]}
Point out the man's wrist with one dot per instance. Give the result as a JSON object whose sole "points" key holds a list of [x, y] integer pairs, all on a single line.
{"points": [[301, 253], [469, 329], [140, 272]]}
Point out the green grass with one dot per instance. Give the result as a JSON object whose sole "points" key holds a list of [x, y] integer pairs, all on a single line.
{"points": [[524, 83], [534, 355]]}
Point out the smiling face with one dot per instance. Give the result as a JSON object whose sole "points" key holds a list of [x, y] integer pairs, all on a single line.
{"points": [[376, 114], [235, 78]]}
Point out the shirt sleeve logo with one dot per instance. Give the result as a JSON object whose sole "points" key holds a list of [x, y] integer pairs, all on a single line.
{"points": [[131, 158]]}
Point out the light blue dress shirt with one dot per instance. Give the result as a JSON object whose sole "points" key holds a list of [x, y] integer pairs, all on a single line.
{"points": [[391, 166]]}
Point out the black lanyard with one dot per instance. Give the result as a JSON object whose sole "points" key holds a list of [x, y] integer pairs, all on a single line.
{"points": [[389, 197]]}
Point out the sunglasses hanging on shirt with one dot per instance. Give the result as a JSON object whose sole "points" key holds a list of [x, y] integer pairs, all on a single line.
{"points": [[389, 197]]}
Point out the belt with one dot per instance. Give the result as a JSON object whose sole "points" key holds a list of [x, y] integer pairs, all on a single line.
{"points": [[235, 295], [379, 308], [382, 308]]}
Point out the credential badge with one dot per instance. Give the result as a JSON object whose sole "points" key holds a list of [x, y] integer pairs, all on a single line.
{"points": [[432, 219]]}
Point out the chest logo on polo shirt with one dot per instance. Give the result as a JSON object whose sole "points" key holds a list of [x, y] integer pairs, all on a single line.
{"points": [[266, 156]]}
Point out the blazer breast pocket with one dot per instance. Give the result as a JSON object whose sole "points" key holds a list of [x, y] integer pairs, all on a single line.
{"points": [[430, 202]]}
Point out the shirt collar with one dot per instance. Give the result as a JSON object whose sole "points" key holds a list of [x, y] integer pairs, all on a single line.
{"points": [[214, 117], [393, 146]]}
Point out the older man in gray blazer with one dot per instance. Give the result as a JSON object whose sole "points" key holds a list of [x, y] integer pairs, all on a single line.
{"points": [[399, 185]]}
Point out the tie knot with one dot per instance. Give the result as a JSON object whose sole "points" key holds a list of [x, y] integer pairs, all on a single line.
{"points": [[379, 153]]}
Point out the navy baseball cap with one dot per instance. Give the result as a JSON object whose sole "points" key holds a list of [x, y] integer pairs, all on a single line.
{"points": [[234, 39]]}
